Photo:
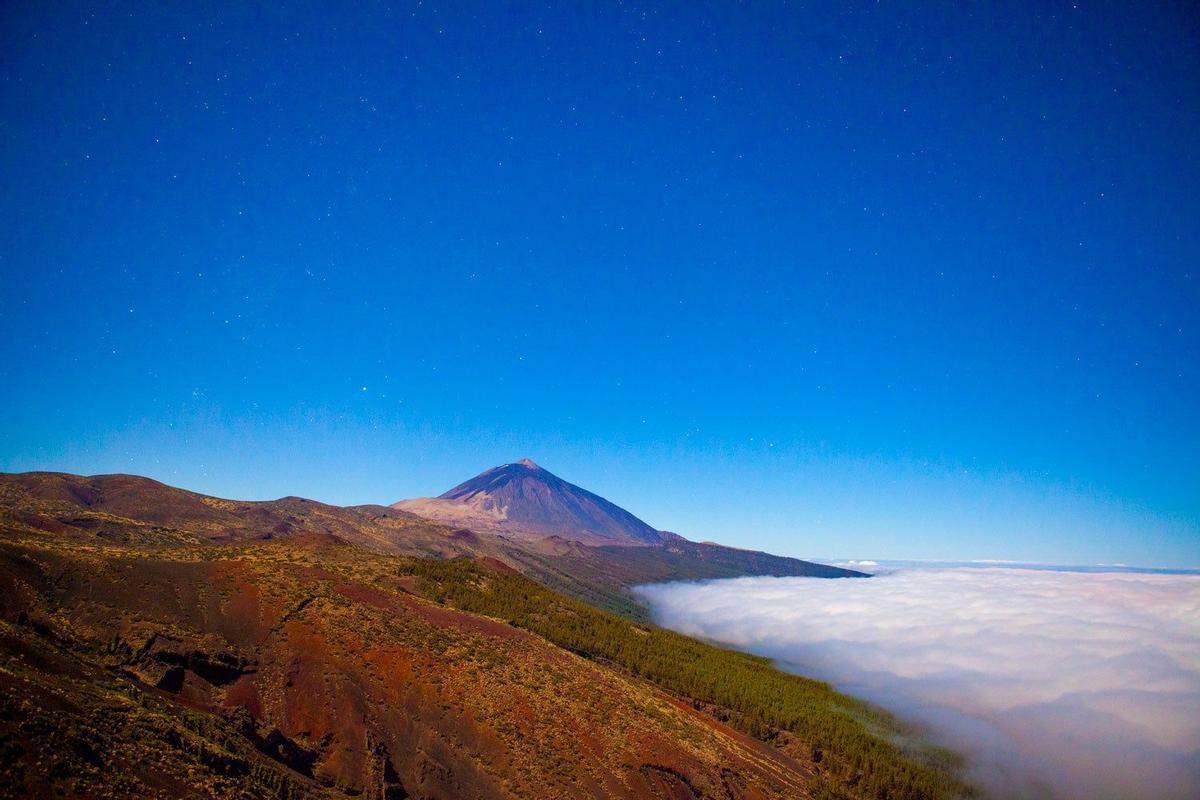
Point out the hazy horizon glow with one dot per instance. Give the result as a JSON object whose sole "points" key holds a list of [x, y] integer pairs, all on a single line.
{"points": [[1082, 686], [864, 279]]}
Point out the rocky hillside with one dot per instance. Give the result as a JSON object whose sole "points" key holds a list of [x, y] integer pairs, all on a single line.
{"points": [[308, 667], [287, 650]]}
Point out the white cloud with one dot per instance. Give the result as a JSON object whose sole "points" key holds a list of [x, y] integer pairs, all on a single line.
{"points": [[1073, 685], [857, 564]]}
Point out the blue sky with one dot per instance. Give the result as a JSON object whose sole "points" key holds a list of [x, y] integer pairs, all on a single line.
{"points": [[859, 280]]}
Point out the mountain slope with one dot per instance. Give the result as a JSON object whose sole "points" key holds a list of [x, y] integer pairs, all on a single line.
{"points": [[149, 660], [602, 576], [308, 667], [525, 501], [586, 546]]}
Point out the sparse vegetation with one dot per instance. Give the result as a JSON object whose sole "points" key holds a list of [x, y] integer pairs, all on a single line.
{"points": [[757, 698]]}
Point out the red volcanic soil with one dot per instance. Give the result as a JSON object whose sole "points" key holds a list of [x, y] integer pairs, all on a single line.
{"points": [[302, 664], [156, 642]]}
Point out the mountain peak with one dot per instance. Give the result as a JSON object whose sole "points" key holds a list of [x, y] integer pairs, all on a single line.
{"points": [[525, 500]]}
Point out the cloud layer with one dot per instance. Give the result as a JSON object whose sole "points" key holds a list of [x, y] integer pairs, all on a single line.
{"points": [[1054, 684]]}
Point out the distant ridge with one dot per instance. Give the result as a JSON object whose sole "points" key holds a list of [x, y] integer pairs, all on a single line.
{"points": [[523, 500], [595, 551]]}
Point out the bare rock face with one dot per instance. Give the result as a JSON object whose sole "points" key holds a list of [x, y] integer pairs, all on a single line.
{"points": [[525, 501]]}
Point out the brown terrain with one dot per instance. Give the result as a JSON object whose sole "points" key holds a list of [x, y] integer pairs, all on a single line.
{"points": [[155, 642]]}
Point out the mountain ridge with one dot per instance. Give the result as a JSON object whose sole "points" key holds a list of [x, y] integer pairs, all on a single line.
{"points": [[143, 511]]}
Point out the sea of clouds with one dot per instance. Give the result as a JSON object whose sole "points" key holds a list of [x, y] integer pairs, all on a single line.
{"points": [[1081, 686]]}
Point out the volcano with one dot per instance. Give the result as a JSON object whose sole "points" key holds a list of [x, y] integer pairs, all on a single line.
{"points": [[525, 501]]}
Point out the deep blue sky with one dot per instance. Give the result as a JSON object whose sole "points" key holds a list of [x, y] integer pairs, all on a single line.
{"points": [[862, 280]]}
